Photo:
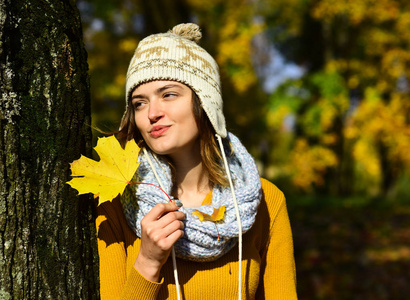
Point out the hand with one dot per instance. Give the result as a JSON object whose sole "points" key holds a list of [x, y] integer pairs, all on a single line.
{"points": [[160, 229]]}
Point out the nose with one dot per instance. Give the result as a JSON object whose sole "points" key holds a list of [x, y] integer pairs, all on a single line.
{"points": [[155, 112]]}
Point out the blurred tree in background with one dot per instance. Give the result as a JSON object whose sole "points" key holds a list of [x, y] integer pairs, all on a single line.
{"points": [[319, 92]]}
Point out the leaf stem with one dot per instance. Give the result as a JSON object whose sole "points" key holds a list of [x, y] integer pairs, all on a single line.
{"points": [[170, 200], [217, 231]]}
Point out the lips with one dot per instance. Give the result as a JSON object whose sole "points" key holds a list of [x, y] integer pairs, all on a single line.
{"points": [[158, 130]]}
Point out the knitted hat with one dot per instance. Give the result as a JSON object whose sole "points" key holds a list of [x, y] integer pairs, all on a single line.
{"points": [[175, 55]]}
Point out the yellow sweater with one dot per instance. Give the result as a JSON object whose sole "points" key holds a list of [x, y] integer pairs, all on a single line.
{"points": [[268, 268]]}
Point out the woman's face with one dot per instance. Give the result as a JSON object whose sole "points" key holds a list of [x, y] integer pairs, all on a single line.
{"points": [[164, 116]]}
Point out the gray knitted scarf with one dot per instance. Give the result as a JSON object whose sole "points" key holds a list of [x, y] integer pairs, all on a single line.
{"points": [[200, 241]]}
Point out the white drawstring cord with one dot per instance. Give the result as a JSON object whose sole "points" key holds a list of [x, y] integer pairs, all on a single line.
{"points": [[153, 169], [238, 216], [174, 261]]}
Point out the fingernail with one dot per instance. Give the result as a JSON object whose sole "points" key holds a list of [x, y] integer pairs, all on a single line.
{"points": [[178, 203]]}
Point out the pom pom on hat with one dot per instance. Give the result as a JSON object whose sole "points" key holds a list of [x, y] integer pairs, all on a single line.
{"points": [[189, 31]]}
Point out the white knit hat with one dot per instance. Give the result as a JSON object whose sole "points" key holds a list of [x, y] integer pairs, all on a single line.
{"points": [[175, 55]]}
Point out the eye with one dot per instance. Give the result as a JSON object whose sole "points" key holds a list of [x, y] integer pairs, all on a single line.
{"points": [[170, 95], [138, 105]]}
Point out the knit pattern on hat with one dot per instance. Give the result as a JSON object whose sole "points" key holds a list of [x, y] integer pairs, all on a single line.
{"points": [[200, 241], [175, 55]]}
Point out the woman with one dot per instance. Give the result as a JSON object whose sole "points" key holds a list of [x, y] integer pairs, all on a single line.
{"points": [[174, 112]]}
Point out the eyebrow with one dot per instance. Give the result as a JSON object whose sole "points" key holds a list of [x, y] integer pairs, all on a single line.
{"points": [[158, 91]]}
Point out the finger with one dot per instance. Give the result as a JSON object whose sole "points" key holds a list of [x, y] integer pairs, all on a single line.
{"points": [[160, 209], [160, 235], [155, 229], [169, 217], [170, 229], [166, 243], [175, 236]]}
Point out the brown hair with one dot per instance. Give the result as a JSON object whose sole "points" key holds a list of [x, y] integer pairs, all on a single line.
{"points": [[210, 153]]}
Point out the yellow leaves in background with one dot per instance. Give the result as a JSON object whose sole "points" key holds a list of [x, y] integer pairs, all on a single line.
{"points": [[234, 49], [356, 11], [287, 12], [381, 39], [204, 5], [117, 62], [235, 52], [396, 62], [377, 123], [233, 27], [275, 118], [309, 164], [367, 158], [112, 89], [108, 177], [128, 45], [403, 25], [329, 113], [328, 9], [108, 59]]}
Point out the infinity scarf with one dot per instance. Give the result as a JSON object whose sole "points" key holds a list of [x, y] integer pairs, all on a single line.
{"points": [[200, 241]]}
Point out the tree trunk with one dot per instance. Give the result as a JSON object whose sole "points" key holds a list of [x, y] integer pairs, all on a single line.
{"points": [[47, 238]]}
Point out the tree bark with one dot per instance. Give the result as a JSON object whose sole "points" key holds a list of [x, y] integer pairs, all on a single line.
{"points": [[47, 238]]}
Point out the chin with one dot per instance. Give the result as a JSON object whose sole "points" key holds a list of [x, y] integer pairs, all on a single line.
{"points": [[160, 149]]}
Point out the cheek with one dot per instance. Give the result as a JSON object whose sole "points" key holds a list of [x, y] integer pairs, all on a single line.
{"points": [[189, 122], [191, 125], [139, 123]]}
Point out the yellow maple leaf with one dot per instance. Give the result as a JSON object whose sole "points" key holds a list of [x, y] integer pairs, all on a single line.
{"points": [[216, 216], [109, 176]]}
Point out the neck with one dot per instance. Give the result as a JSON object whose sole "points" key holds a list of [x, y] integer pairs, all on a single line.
{"points": [[191, 180]]}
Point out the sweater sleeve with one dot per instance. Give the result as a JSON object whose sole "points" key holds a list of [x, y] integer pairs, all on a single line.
{"points": [[112, 237], [278, 272]]}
